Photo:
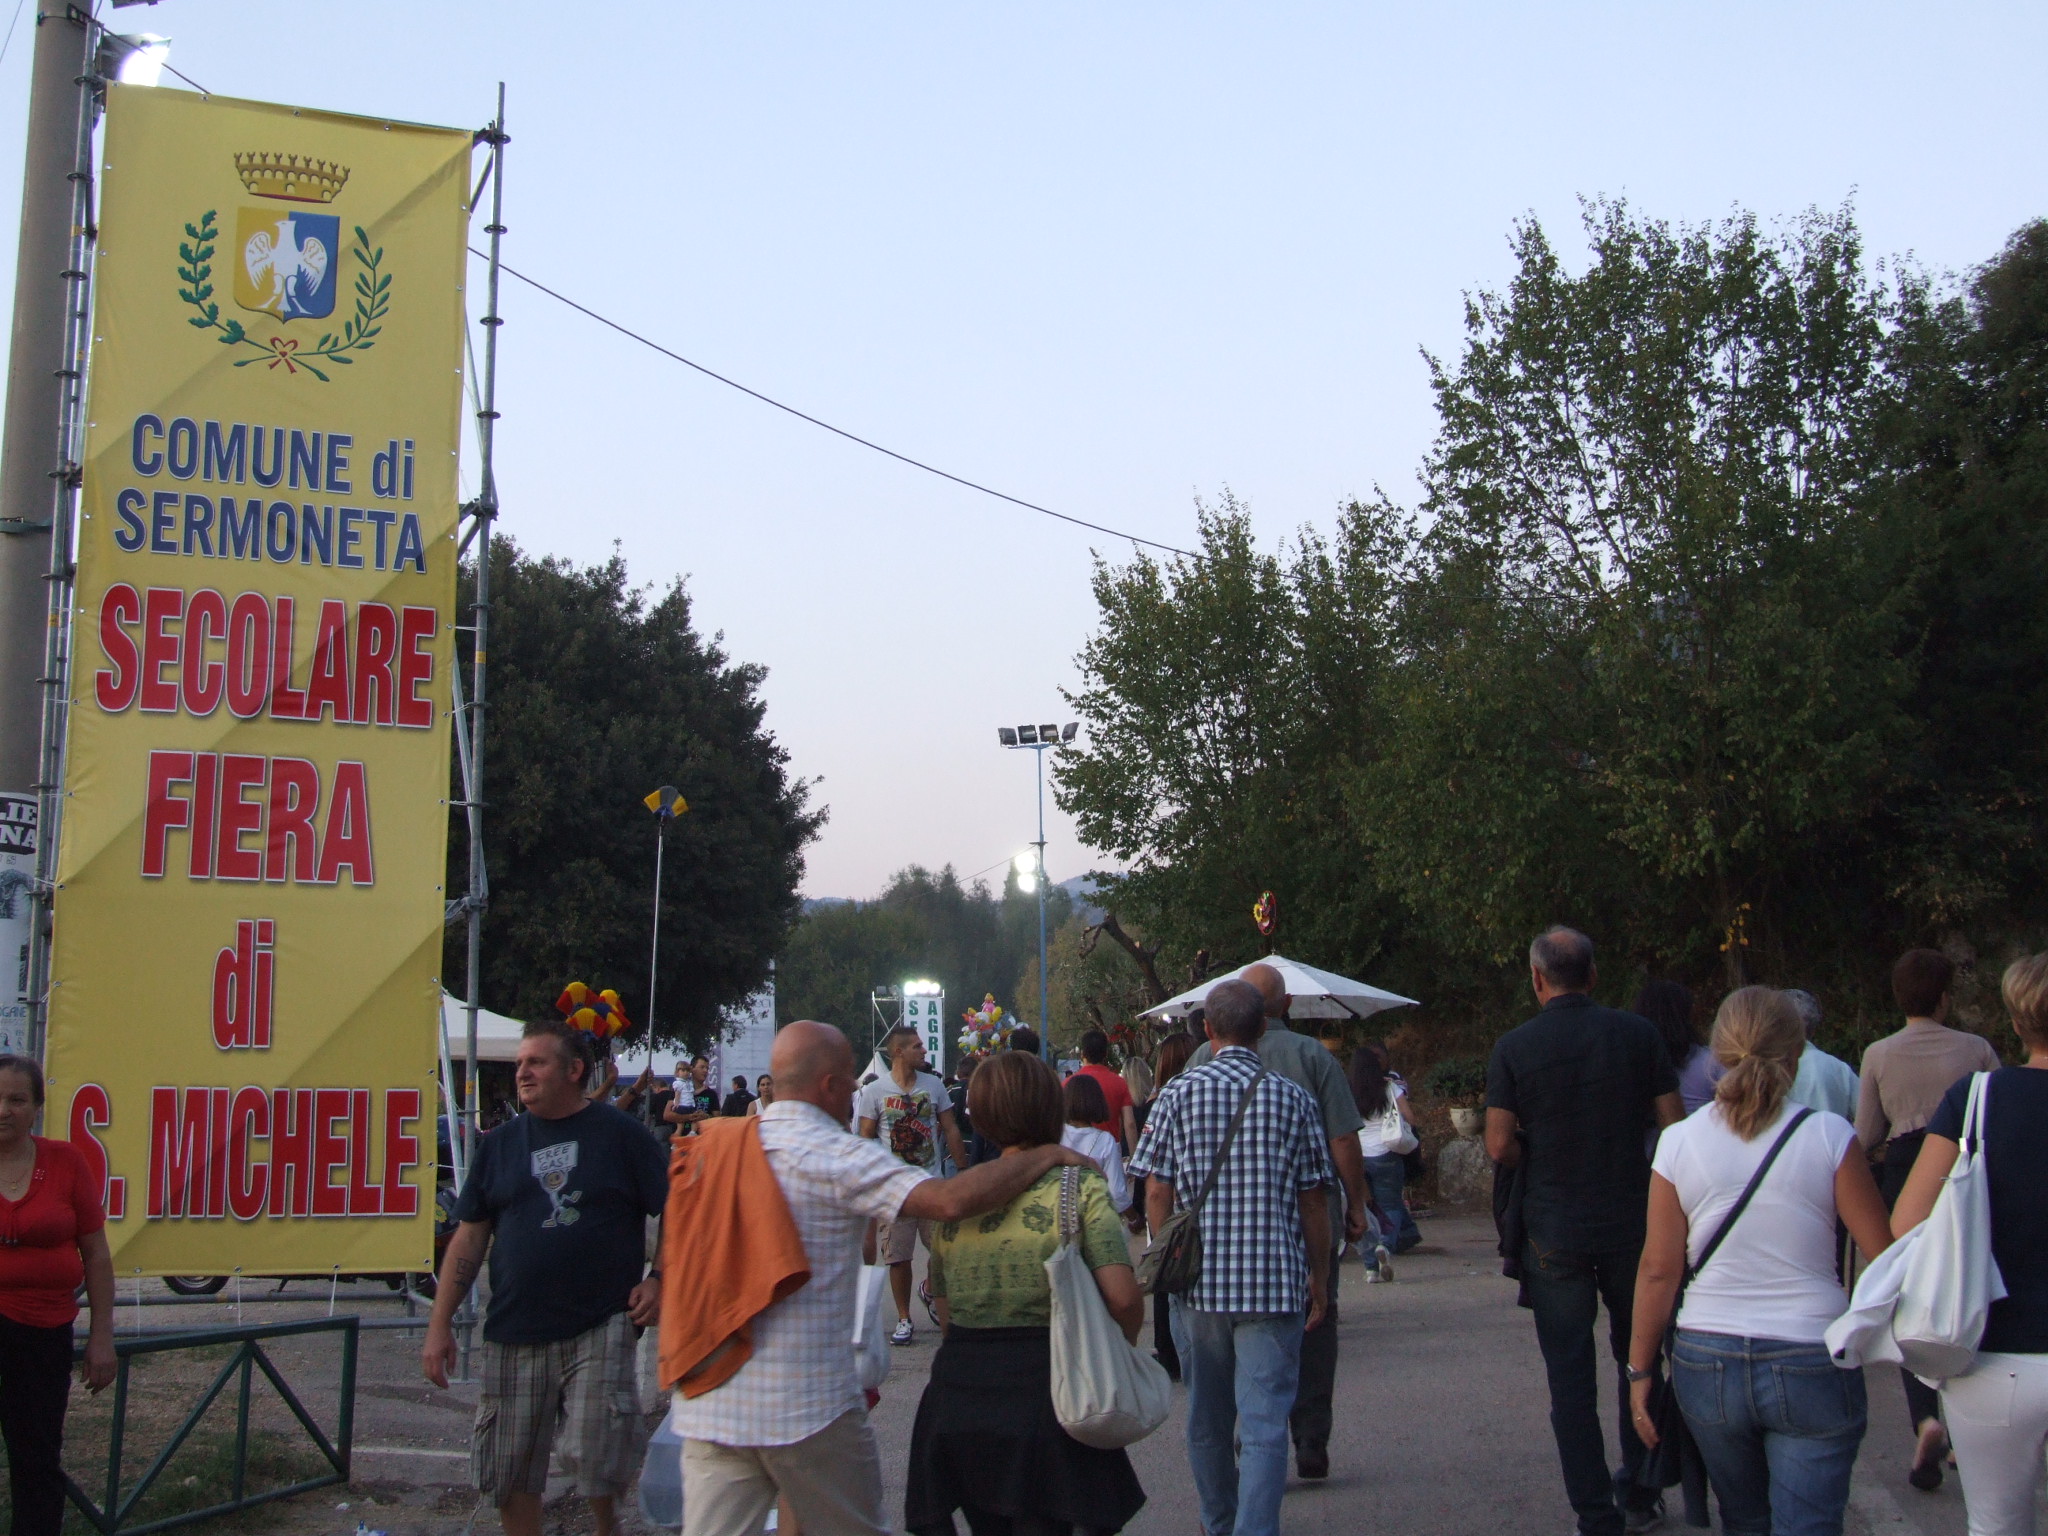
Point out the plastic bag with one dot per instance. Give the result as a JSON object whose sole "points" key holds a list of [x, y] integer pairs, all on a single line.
{"points": [[661, 1477], [870, 1328]]}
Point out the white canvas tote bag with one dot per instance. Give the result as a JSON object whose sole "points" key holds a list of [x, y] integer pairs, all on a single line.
{"points": [[1105, 1393]]}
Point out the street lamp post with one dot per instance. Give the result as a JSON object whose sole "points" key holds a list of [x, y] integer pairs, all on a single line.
{"points": [[1030, 868], [667, 805]]}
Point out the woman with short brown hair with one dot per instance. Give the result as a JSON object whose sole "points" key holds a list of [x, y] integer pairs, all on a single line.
{"points": [[986, 1442]]}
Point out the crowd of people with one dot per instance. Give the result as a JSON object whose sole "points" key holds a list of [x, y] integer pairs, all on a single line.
{"points": [[1708, 1193]]}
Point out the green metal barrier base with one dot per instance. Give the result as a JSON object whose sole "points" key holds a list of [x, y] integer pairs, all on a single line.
{"points": [[112, 1514]]}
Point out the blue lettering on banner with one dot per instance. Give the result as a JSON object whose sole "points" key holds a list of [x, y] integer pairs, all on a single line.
{"points": [[224, 527]]}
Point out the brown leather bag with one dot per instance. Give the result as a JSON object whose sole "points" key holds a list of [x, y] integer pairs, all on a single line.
{"points": [[1172, 1265]]}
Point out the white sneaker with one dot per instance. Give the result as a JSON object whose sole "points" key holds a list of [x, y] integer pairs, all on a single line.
{"points": [[902, 1333], [1372, 1276], [1385, 1262]]}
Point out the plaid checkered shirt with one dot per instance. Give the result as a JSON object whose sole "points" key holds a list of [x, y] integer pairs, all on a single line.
{"points": [[1253, 1257], [801, 1374]]}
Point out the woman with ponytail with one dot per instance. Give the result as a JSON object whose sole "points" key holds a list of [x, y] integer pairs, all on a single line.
{"points": [[1777, 1424]]}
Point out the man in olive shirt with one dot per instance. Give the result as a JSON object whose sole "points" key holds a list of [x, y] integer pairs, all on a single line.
{"points": [[1305, 1062]]}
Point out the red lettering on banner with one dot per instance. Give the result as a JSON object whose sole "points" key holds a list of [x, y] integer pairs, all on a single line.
{"points": [[346, 843], [115, 687], [163, 811], [92, 1110], [238, 814], [376, 649], [160, 649], [248, 1174], [178, 1147], [330, 1152], [415, 666], [207, 1157], [401, 1151], [364, 1197], [286, 702], [294, 797], [201, 683], [248, 656], [291, 1151], [327, 686]]}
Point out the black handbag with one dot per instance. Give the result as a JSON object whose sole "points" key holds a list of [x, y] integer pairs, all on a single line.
{"points": [[1664, 1466], [1172, 1265]]}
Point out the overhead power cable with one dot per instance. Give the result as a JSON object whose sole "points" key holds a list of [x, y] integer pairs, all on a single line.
{"points": [[852, 437]]}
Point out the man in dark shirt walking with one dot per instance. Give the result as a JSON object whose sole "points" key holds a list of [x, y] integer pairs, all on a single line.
{"points": [[1572, 1093], [559, 1197]]}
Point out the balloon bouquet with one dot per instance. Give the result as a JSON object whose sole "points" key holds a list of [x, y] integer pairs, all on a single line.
{"points": [[987, 1028], [600, 1016]]}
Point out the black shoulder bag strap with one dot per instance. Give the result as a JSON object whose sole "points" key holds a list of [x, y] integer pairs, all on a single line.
{"points": [[1664, 1467], [1755, 1180], [1229, 1136]]}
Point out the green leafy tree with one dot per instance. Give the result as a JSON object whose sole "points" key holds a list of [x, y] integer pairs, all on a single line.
{"points": [[597, 695], [1652, 644]]}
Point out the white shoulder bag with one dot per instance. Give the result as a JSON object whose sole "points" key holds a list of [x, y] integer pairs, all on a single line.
{"points": [[1951, 1279], [1104, 1392], [1396, 1134]]}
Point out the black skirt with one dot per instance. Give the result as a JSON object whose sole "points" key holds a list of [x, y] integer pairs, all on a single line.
{"points": [[986, 1436]]}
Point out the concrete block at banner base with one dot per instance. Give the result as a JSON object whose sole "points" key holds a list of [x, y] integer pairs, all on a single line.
{"points": [[1464, 1172]]}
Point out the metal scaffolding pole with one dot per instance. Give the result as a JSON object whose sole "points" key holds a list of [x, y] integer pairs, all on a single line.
{"points": [[54, 679], [483, 510]]}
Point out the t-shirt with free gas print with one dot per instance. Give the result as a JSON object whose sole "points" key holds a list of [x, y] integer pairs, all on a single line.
{"points": [[906, 1119], [569, 1200]]}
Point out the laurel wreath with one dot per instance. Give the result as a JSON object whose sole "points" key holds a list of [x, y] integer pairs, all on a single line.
{"points": [[373, 300]]}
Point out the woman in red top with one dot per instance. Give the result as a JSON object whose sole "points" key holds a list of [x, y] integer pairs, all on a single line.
{"points": [[51, 1238]]}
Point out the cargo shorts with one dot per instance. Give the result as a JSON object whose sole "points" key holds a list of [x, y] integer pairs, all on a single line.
{"points": [[577, 1393]]}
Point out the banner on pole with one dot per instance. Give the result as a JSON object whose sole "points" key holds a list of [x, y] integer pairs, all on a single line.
{"points": [[245, 974]]}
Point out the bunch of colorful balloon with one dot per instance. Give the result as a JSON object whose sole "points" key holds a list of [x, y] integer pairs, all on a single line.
{"points": [[987, 1028]]}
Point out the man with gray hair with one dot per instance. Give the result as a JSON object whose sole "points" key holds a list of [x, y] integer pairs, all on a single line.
{"points": [[1244, 1147], [1823, 1081], [1571, 1095]]}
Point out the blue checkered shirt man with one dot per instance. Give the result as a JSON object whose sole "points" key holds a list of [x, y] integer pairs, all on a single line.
{"points": [[1253, 1258]]}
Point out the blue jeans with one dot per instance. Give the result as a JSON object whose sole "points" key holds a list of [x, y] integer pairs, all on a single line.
{"points": [[1241, 1370], [1778, 1425], [1388, 1176], [1566, 1291]]}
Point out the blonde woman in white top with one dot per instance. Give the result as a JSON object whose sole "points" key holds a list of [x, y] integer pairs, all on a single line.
{"points": [[1777, 1424]]}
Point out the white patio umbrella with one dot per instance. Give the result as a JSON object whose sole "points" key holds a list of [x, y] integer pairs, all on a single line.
{"points": [[1317, 994]]}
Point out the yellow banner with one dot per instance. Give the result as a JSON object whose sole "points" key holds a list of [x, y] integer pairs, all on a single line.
{"points": [[247, 955]]}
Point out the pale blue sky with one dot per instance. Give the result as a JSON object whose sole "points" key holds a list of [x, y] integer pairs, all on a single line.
{"points": [[1107, 257]]}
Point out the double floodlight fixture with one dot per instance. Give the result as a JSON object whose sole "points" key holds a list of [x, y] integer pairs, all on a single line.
{"points": [[1026, 865], [1038, 735]]}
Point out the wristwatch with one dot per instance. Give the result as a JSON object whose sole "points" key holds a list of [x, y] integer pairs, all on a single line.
{"points": [[1635, 1375]]}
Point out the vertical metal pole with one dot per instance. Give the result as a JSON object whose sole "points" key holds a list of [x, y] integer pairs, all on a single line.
{"points": [[1044, 1002], [39, 465], [486, 511], [654, 954]]}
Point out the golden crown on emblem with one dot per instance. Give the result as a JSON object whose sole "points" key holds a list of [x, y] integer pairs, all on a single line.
{"points": [[294, 178]]}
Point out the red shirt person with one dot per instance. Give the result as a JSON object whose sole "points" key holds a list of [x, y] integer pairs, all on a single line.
{"points": [[1116, 1093], [52, 1238]]}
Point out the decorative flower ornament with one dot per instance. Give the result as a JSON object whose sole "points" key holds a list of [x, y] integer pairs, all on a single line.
{"points": [[599, 1014]]}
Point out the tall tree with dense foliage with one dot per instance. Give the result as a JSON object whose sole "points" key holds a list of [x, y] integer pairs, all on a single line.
{"points": [[598, 695], [1716, 632]]}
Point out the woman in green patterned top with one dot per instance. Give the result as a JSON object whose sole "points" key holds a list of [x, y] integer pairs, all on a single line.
{"points": [[987, 1442]]}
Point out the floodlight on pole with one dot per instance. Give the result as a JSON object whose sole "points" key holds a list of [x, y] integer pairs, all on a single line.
{"points": [[1030, 864], [667, 804], [135, 59]]}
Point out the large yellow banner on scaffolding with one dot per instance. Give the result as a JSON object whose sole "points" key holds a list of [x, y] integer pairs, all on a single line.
{"points": [[245, 980]]}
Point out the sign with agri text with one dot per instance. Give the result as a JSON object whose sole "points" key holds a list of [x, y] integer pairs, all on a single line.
{"points": [[245, 979]]}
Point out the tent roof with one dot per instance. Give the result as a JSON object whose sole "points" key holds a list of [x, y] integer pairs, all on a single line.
{"points": [[1317, 994]]}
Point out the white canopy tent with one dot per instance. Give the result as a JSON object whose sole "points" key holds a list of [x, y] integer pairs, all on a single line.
{"points": [[1317, 994], [497, 1037]]}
